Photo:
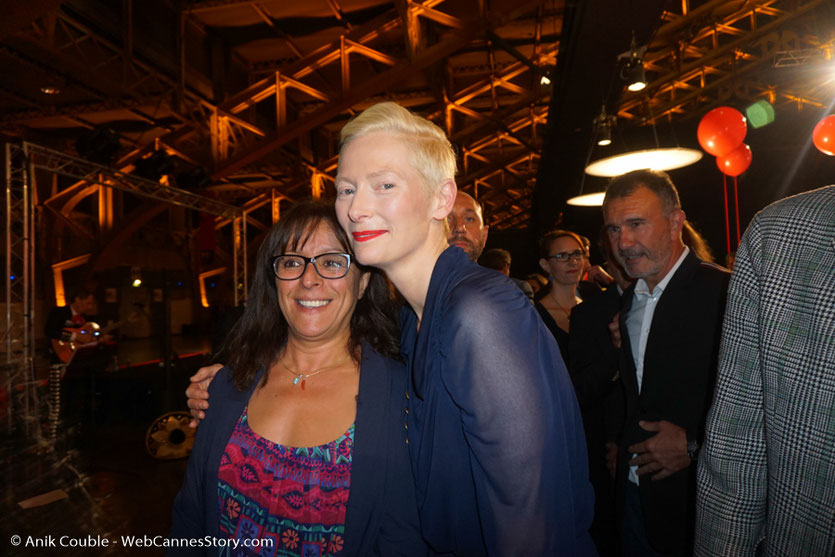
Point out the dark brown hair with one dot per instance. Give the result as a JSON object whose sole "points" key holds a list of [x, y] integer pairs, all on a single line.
{"points": [[495, 258], [259, 335], [548, 239]]}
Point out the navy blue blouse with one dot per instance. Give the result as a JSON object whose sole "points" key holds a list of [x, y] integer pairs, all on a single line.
{"points": [[495, 435]]}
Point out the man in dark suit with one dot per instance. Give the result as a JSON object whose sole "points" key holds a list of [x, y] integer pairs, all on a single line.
{"points": [[670, 324]]}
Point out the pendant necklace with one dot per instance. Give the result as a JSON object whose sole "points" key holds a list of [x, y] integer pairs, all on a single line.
{"points": [[567, 312], [303, 376]]}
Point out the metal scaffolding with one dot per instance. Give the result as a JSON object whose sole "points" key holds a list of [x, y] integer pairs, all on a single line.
{"points": [[18, 329]]}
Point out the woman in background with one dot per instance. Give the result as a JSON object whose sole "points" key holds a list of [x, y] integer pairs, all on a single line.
{"points": [[563, 258]]}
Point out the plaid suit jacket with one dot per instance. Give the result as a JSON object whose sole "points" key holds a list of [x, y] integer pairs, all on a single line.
{"points": [[766, 478]]}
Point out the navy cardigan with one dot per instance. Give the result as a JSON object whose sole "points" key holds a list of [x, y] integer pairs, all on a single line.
{"points": [[381, 515], [494, 432]]}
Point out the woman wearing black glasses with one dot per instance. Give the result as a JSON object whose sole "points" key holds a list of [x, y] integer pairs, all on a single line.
{"points": [[304, 451], [563, 259]]}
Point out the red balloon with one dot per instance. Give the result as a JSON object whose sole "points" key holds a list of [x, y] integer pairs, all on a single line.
{"points": [[722, 130], [824, 135], [736, 162]]}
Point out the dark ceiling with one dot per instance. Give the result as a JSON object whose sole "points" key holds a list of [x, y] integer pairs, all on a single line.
{"points": [[255, 92]]}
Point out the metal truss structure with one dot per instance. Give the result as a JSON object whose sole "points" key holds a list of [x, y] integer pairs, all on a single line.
{"points": [[97, 175], [92, 173], [18, 331], [719, 52], [19, 311]]}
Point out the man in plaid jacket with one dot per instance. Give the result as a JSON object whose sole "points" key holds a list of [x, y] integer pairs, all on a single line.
{"points": [[766, 477]]}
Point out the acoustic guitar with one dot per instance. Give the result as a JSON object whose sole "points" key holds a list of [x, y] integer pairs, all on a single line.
{"points": [[86, 335]]}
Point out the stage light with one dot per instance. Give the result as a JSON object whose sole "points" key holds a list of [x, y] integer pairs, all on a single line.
{"points": [[635, 76], [136, 277], [603, 127], [633, 71]]}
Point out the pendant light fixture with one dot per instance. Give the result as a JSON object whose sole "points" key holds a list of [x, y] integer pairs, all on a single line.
{"points": [[633, 70], [657, 158], [652, 159], [603, 125]]}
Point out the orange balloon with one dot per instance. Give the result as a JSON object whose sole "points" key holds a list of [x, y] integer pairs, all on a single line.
{"points": [[824, 135], [736, 162], [722, 130]]}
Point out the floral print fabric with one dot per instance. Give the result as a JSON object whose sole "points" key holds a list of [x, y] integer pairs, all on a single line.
{"points": [[295, 496]]}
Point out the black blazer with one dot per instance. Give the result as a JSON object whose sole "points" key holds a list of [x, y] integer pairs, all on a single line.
{"points": [[679, 374], [593, 360]]}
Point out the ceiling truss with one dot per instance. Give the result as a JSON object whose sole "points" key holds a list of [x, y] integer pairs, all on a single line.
{"points": [[719, 57]]}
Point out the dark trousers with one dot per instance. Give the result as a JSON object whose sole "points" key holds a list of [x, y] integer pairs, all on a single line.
{"points": [[633, 534]]}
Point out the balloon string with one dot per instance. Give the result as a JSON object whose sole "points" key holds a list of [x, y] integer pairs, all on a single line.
{"points": [[736, 206], [727, 216]]}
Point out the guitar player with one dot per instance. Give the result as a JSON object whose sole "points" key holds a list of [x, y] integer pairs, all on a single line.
{"points": [[76, 357]]}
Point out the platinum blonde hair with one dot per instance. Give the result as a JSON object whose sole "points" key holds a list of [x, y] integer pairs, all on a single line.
{"points": [[432, 155]]}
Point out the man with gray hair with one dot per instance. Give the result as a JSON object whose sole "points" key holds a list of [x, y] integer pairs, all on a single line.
{"points": [[669, 324]]}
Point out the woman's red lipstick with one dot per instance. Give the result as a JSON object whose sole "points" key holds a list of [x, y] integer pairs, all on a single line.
{"points": [[366, 235]]}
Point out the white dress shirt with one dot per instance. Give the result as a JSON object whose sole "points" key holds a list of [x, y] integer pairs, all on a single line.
{"points": [[638, 323]]}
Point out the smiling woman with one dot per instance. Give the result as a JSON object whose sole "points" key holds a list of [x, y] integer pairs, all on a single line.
{"points": [[303, 446]]}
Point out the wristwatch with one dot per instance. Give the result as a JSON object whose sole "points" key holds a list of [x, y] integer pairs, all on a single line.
{"points": [[692, 449]]}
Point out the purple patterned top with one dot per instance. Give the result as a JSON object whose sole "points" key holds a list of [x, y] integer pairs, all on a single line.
{"points": [[295, 496]]}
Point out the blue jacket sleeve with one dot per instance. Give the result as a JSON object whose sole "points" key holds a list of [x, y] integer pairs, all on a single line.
{"points": [[191, 513], [521, 420]]}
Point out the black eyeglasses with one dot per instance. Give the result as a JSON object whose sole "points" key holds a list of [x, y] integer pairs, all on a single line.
{"points": [[328, 265], [564, 256]]}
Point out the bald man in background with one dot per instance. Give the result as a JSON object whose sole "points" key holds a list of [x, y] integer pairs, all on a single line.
{"points": [[466, 226]]}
